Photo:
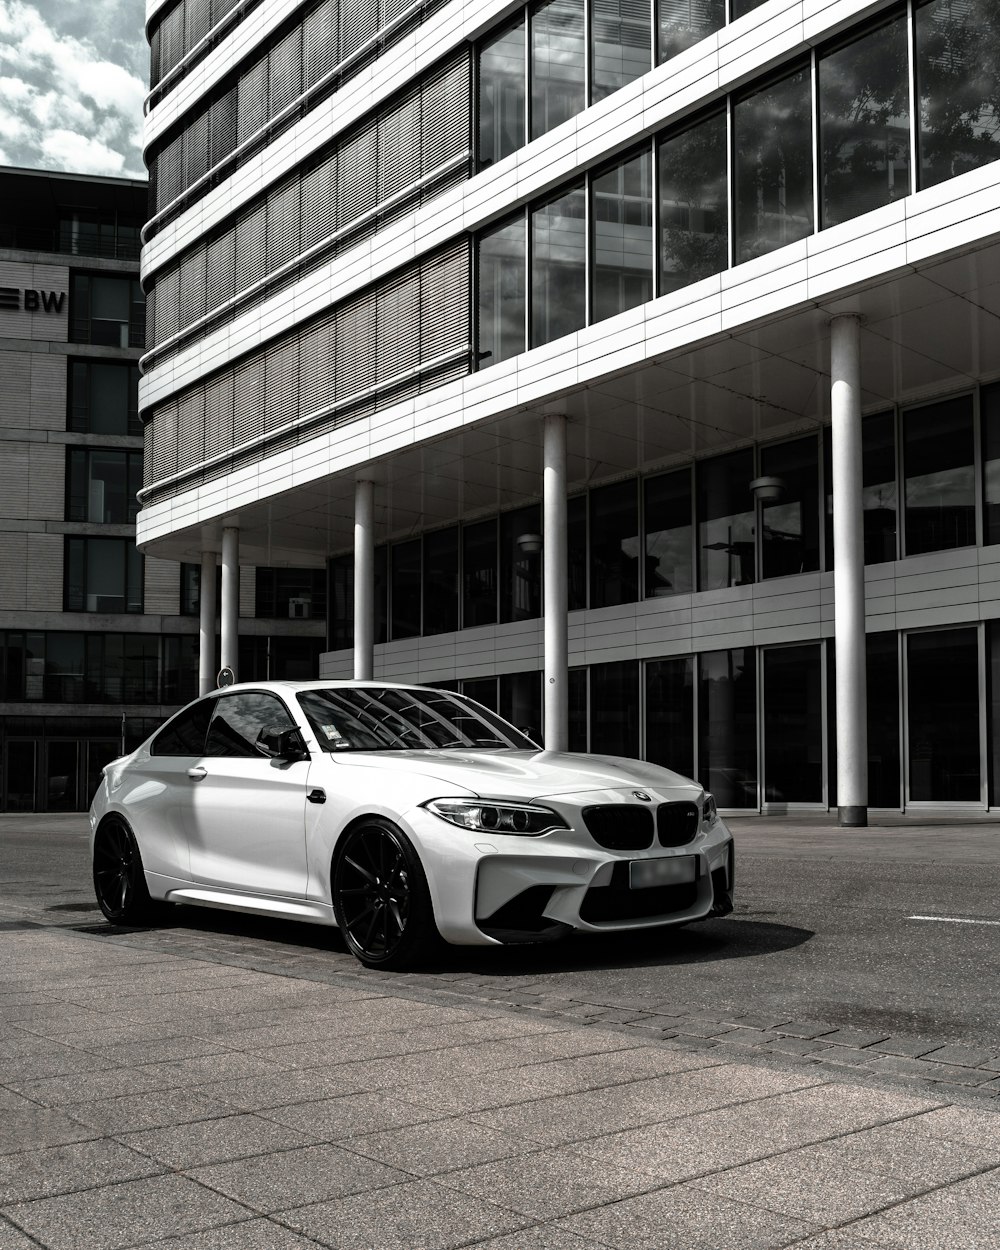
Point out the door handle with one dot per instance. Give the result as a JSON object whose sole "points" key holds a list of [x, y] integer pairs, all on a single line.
{"points": [[198, 773], [317, 796]]}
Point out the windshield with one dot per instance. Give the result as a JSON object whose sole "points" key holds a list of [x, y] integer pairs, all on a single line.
{"points": [[374, 718]]}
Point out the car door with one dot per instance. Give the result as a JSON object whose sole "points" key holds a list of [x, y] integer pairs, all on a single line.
{"points": [[246, 817]]}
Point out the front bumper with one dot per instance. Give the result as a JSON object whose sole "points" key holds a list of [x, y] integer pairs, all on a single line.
{"points": [[490, 889]]}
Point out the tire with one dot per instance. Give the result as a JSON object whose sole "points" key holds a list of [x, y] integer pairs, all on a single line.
{"points": [[380, 897], [119, 881]]}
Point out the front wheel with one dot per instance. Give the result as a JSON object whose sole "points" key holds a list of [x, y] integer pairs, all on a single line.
{"points": [[119, 882], [380, 897]]}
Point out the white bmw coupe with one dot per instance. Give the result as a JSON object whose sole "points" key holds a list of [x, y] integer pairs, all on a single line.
{"points": [[400, 814]]}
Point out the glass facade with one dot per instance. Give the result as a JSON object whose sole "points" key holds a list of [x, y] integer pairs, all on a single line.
{"points": [[502, 94], [503, 267], [790, 524], [682, 23], [101, 485], [727, 726], [614, 703], [793, 724], [614, 544], [294, 594], [106, 311], [693, 204], [558, 63], [520, 570], [670, 713], [939, 476], [620, 45], [621, 216], [943, 716], [726, 551], [668, 534], [102, 575], [103, 398], [559, 267]]}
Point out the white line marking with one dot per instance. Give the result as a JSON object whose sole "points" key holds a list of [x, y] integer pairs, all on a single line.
{"points": [[953, 920]]}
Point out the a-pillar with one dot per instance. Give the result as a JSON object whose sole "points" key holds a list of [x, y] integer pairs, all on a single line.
{"points": [[364, 580], [230, 613], [206, 624], [849, 572], [556, 584]]}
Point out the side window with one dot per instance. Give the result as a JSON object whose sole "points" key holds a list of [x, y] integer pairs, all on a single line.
{"points": [[185, 734], [238, 720]]}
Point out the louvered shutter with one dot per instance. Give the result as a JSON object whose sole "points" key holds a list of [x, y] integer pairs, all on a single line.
{"points": [[390, 9], [355, 346], [192, 287], [285, 72], [164, 438], [399, 147], [191, 430], [251, 247], [155, 43], [169, 171], [444, 305], [171, 31], [356, 164], [397, 326], [151, 317], [197, 22], [252, 97], [219, 415], [283, 224], [317, 360], [168, 293], [281, 380], [446, 106], [222, 124], [248, 401], [358, 22], [319, 202], [220, 270], [319, 43]]}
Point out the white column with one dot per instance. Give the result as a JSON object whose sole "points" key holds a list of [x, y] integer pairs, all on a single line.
{"points": [[555, 568], [206, 625], [230, 614], [849, 572], [364, 581]]}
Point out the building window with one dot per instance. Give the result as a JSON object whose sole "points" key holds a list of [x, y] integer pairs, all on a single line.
{"points": [[619, 45], [990, 409], [404, 592], [725, 521], [520, 568], [668, 534], [479, 574], [878, 496], [864, 123], [614, 544], [502, 94], [502, 273], [559, 267], [107, 312], [293, 594], [441, 587], [773, 163], [340, 617], [793, 724], [521, 702], [576, 551], [727, 726], [670, 714], [621, 218], [102, 485], [958, 85], [939, 475], [693, 192], [103, 575], [558, 63], [790, 523], [103, 398], [614, 709], [683, 23]]}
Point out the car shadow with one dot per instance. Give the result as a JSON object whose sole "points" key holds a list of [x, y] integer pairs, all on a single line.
{"points": [[711, 941]]}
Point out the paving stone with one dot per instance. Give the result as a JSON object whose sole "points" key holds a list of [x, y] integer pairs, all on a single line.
{"points": [[684, 1218], [928, 1071], [421, 1215], [920, 1163], [32, 1127], [857, 1038], [805, 1028], [901, 1044], [140, 1111], [332, 1119], [251, 1234], [283, 1089], [962, 1124], [797, 1046], [216, 1141], [439, 1146], [963, 1056], [844, 1239], [965, 1216], [114, 1216], [289, 1178], [62, 1169], [12, 1238], [541, 1237]]}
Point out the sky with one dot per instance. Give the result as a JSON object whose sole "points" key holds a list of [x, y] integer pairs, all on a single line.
{"points": [[73, 76]]}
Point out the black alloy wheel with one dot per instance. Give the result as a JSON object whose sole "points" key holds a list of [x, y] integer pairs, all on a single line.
{"points": [[119, 882], [380, 897]]}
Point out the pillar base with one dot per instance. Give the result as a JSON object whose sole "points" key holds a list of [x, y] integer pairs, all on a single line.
{"points": [[852, 817]]}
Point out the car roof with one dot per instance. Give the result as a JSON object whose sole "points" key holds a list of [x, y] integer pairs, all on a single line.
{"points": [[320, 684]]}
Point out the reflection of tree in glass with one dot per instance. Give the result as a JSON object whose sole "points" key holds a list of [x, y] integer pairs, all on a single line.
{"points": [[864, 124], [958, 77], [693, 233]]}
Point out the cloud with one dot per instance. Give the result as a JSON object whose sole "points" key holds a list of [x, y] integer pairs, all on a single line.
{"points": [[72, 84]]}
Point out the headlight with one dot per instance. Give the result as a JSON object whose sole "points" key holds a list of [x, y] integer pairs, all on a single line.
{"points": [[488, 816], [709, 812]]}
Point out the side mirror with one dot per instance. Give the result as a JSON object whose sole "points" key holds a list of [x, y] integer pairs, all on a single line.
{"points": [[281, 744]]}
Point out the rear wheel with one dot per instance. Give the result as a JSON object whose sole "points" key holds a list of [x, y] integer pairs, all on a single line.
{"points": [[119, 882], [380, 897]]}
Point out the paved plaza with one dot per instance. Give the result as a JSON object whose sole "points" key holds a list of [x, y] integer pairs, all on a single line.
{"points": [[208, 1085]]}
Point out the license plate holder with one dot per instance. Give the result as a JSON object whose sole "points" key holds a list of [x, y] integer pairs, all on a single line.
{"points": [[644, 874]]}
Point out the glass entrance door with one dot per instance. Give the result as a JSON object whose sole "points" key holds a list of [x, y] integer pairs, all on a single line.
{"points": [[944, 754], [793, 724], [20, 768]]}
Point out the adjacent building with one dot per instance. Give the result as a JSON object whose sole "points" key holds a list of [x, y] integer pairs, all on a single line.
{"points": [[634, 368], [97, 642]]}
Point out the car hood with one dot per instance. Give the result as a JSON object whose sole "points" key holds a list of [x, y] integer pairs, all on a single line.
{"points": [[524, 774]]}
